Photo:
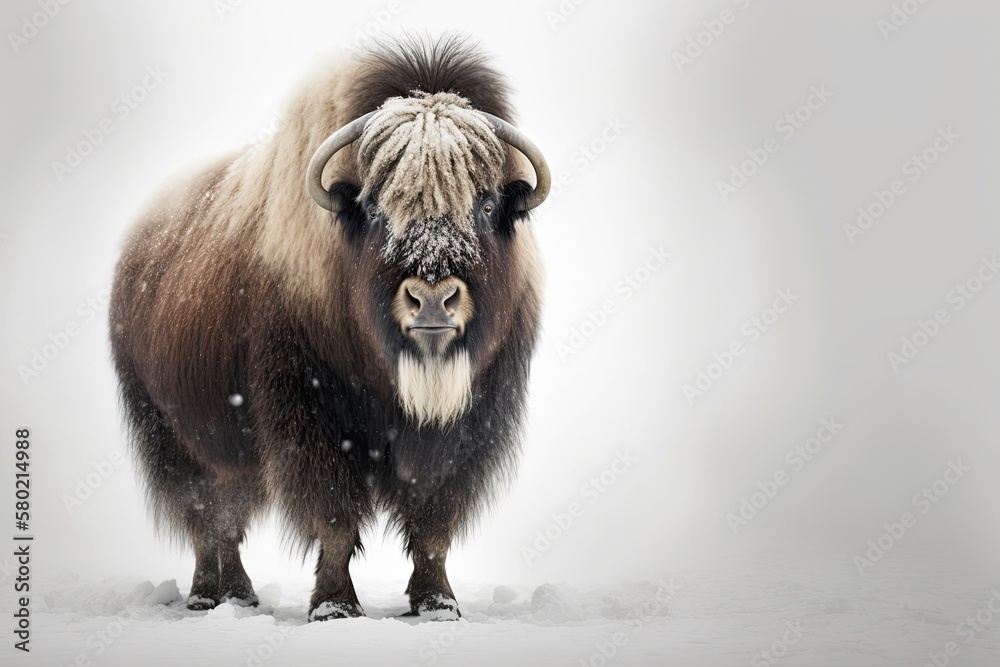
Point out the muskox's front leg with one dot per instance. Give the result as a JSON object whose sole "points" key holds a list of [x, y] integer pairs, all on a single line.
{"points": [[322, 501], [334, 595], [321, 495], [428, 540]]}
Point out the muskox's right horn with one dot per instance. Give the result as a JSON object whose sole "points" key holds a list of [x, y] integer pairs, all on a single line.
{"points": [[342, 137]]}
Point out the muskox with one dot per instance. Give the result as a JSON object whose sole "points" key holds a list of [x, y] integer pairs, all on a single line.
{"points": [[339, 323]]}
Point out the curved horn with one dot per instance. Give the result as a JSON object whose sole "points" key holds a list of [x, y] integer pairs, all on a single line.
{"points": [[350, 133], [517, 139], [342, 137]]}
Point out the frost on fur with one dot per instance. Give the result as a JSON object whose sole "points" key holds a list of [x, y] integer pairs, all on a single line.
{"points": [[425, 159], [433, 248]]}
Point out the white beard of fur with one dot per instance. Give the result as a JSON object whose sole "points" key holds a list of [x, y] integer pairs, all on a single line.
{"points": [[435, 390]]}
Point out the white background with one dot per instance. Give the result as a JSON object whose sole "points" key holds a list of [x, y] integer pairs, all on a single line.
{"points": [[653, 186]]}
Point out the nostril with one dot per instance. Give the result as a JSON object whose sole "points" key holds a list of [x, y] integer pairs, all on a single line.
{"points": [[452, 302], [412, 300]]}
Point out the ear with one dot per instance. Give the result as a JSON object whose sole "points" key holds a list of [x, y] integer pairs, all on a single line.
{"points": [[510, 195], [347, 212], [520, 181]]}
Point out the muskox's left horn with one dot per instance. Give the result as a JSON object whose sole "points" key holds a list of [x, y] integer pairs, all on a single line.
{"points": [[342, 137], [517, 139]]}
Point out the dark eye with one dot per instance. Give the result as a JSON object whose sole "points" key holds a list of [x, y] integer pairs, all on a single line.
{"points": [[373, 212], [488, 207]]}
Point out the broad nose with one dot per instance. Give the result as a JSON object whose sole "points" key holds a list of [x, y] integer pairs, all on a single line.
{"points": [[434, 308]]}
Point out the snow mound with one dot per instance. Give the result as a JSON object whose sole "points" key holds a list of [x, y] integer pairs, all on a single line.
{"points": [[552, 604], [165, 593], [143, 590], [504, 594], [224, 610], [561, 604], [270, 595]]}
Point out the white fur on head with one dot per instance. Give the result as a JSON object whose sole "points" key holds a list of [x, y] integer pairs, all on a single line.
{"points": [[428, 156], [435, 389]]}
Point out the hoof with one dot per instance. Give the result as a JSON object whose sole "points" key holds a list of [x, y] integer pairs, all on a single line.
{"points": [[200, 603], [437, 608], [326, 611]]}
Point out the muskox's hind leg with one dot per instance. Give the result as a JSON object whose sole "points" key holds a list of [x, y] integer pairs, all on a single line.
{"points": [[216, 517], [191, 502]]}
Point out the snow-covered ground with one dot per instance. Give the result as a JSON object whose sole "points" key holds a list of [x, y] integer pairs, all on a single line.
{"points": [[755, 611]]}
